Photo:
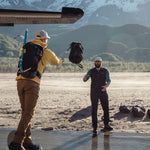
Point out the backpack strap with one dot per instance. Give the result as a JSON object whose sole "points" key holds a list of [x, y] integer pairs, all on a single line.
{"points": [[80, 65], [38, 75]]}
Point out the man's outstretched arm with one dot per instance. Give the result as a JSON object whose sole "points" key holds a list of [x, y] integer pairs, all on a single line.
{"points": [[87, 76]]}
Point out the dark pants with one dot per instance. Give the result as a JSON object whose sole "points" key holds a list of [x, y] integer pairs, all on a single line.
{"points": [[103, 96]]}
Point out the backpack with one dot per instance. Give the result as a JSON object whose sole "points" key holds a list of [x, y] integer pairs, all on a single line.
{"points": [[148, 113], [138, 111], [32, 55], [76, 53], [125, 109]]}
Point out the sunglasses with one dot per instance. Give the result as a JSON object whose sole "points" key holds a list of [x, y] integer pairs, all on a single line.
{"points": [[97, 61]]}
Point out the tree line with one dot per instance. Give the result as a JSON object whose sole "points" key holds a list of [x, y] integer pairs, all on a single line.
{"points": [[10, 65]]}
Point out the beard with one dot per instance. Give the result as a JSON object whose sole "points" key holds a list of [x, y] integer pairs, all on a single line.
{"points": [[46, 41], [97, 65]]}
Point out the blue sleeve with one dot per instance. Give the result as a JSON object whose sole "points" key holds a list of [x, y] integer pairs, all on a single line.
{"points": [[107, 76], [89, 74]]}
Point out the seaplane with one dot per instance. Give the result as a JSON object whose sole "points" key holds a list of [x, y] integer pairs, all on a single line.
{"points": [[68, 15]]}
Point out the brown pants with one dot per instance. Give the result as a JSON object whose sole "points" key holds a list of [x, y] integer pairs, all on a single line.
{"points": [[28, 92]]}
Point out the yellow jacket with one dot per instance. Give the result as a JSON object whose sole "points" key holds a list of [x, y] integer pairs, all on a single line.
{"points": [[48, 56]]}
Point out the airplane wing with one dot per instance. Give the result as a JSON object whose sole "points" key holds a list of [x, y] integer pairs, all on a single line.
{"points": [[9, 17]]}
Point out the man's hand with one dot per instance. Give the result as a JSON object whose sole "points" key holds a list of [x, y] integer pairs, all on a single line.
{"points": [[103, 89], [63, 58], [85, 77]]}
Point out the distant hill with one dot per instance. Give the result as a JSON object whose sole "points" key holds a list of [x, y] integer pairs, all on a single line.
{"points": [[53, 30], [98, 39], [130, 42], [8, 47], [11, 42]]}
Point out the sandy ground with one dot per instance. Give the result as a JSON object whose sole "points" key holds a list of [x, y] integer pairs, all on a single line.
{"points": [[64, 102]]}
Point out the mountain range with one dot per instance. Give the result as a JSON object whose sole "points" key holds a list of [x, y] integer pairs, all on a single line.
{"points": [[129, 43], [109, 12], [117, 30]]}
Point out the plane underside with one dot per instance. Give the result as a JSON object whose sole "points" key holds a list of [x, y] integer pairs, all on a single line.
{"points": [[67, 16]]}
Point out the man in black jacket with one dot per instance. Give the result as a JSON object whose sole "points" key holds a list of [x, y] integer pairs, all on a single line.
{"points": [[100, 80]]}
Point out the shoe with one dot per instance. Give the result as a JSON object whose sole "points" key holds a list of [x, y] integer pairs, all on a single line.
{"points": [[31, 146], [15, 146], [108, 128], [94, 132]]}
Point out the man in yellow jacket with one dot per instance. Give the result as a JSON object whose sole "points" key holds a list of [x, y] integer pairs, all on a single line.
{"points": [[28, 92]]}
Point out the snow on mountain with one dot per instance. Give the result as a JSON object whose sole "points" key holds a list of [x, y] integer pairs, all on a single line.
{"points": [[4, 3], [30, 2], [126, 5], [92, 5]]}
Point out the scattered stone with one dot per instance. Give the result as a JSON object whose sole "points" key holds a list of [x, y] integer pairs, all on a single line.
{"points": [[47, 129]]}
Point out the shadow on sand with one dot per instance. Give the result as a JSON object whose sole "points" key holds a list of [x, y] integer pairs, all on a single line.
{"points": [[74, 143], [81, 114], [84, 139]]}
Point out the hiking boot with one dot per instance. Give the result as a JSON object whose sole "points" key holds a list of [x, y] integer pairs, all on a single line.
{"points": [[108, 128], [31, 146], [94, 132], [15, 146]]}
